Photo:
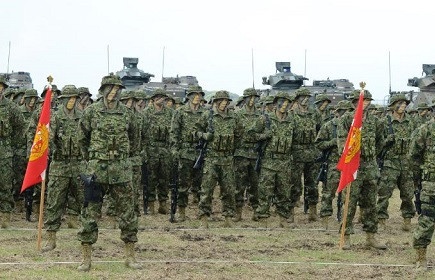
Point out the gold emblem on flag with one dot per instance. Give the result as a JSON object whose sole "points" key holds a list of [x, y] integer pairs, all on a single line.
{"points": [[354, 144], [40, 142]]}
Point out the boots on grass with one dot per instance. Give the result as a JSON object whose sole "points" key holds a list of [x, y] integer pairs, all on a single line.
{"points": [[421, 262], [372, 242], [181, 214], [151, 208], [406, 226], [86, 262], [130, 259], [204, 222], [325, 222], [51, 241], [5, 219], [291, 218], [163, 208], [228, 222], [346, 245], [238, 214], [313, 213]]}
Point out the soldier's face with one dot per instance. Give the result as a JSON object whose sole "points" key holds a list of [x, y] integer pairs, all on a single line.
{"points": [[71, 103], [112, 95], [401, 106], [32, 102], [159, 100], [169, 103], [251, 101], [196, 98], [366, 103], [284, 106], [2, 87], [222, 104], [323, 106], [303, 100], [129, 102]]}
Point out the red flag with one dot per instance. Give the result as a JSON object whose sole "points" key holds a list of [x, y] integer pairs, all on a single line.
{"points": [[38, 158], [349, 161]]}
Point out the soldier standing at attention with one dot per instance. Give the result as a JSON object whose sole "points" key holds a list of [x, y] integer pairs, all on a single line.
{"points": [[107, 138], [245, 155], [396, 169], [218, 127], [156, 126], [12, 127], [277, 130], [184, 143], [364, 189], [85, 98], [65, 165]]}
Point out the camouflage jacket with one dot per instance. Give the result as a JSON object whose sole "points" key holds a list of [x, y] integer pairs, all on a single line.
{"points": [[183, 135], [247, 146], [12, 128], [156, 127], [326, 139], [306, 126]]}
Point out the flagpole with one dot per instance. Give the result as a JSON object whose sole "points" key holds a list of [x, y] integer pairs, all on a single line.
{"points": [[41, 214], [345, 211]]}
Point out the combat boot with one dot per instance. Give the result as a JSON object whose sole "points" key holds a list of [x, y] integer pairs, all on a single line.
{"points": [[228, 222], [291, 218], [5, 219], [238, 214], [421, 262], [130, 259], [204, 222], [181, 214], [112, 222], [346, 245], [163, 208], [151, 208], [325, 222], [263, 221], [283, 223], [87, 253], [372, 242], [72, 221], [313, 213], [51, 241], [406, 226], [382, 223]]}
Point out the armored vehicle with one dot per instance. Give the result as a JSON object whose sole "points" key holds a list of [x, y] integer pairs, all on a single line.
{"points": [[18, 79], [283, 79], [132, 77], [337, 90], [426, 84], [176, 86]]}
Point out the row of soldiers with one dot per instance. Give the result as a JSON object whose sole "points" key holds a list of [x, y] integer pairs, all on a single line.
{"points": [[268, 153]]}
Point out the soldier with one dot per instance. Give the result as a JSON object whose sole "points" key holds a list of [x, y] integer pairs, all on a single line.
{"points": [[178, 102], [307, 122], [107, 138], [326, 141], [395, 167], [422, 156], [85, 98], [156, 126], [55, 92], [170, 101], [218, 127], [18, 97], [184, 143], [276, 130], [364, 188], [12, 127], [322, 107], [245, 155], [424, 112], [66, 163]]}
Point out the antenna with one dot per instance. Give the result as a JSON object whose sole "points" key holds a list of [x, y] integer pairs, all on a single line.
{"points": [[305, 66], [163, 62], [9, 55], [252, 59], [108, 60], [389, 72]]}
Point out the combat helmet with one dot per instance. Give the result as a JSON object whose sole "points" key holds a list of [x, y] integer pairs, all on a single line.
{"points": [[320, 98], [398, 97], [111, 80], [281, 94], [221, 94], [9, 93], [269, 99], [54, 90], [126, 94], [344, 105], [239, 101], [356, 93], [250, 92], [3, 81], [159, 92], [302, 92], [423, 106], [140, 94], [69, 91], [30, 92], [194, 89], [84, 90]]}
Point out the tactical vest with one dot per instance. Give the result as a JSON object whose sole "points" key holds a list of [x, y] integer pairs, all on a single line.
{"points": [[159, 124], [305, 129], [368, 137], [428, 164], [6, 129], [280, 145], [223, 137], [64, 136], [188, 121]]}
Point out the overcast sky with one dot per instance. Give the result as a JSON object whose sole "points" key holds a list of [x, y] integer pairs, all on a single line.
{"points": [[214, 40]]}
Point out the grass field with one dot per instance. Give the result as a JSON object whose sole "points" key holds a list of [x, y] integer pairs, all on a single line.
{"points": [[182, 251]]}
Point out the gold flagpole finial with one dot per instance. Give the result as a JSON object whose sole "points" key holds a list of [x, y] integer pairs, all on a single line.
{"points": [[362, 85], [50, 79]]}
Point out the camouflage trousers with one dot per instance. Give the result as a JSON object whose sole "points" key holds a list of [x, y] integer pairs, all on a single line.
{"points": [[307, 169], [274, 187], [363, 192], [217, 170], [329, 190], [246, 181], [189, 178], [158, 178], [426, 222], [6, 188], [124, 197], [390, 178], [20, 165], [58, 190]]}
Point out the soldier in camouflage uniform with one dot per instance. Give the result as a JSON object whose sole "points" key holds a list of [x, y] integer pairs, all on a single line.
{"points": [[422, 156], [396, 167], [245, 155], [322, 107], [364, 188], [326, 141], [276, 129], [65, 165], [12, 127], [108, 139], [307, 122], [424, 113], [156, 126], [184, 143], [18, 97], [85, 98], [219, 128]]}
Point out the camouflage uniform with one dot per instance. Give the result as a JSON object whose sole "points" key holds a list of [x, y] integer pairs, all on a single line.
{"points": [[422, 156], [156, 126], [184, 143], [219, 130], [108, 138], [278, 131], [364, 189], [245, 155], [396, 168], [12, 127]]}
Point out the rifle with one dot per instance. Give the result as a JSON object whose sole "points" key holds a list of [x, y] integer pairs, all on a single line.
{"points": [[260, 146], [202, 144], [93, 192], [417, 192], [28, 201], [144, 182], [174, 191], [387, 146]]}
